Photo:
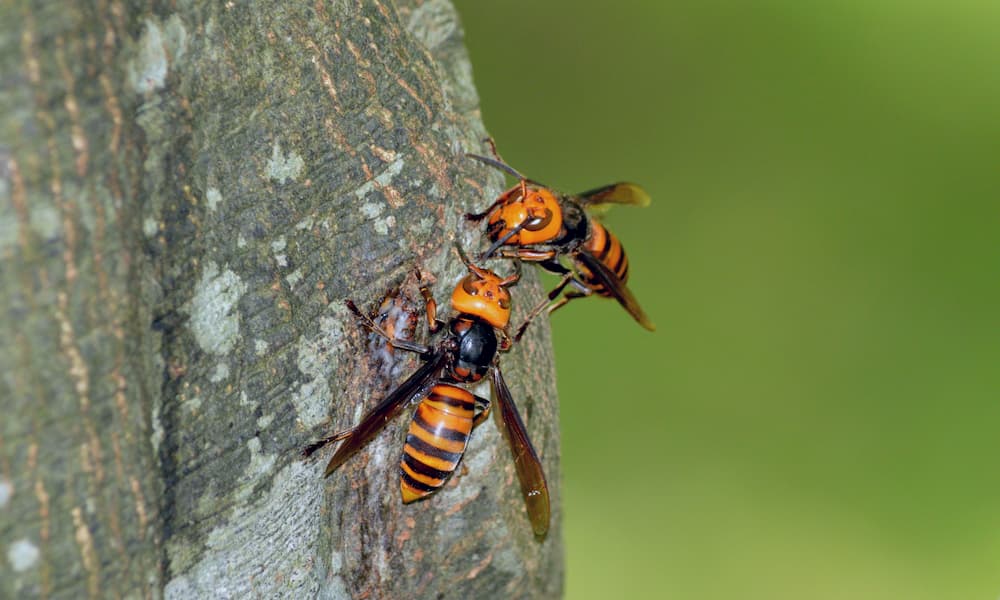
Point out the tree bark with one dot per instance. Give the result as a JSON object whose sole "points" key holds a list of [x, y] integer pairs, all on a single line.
{"points": [[188, 192]]}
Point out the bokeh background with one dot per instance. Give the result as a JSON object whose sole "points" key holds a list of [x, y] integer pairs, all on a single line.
{"points": [[817, 415]]}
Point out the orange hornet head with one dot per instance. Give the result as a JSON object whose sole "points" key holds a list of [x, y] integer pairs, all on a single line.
{"points": [[482, 293], [526, 214]]}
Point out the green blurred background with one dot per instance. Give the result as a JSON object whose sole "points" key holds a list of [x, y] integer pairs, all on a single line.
{"points": [[817, 415]]}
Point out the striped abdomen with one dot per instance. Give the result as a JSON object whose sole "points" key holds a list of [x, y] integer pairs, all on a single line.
{"points": [[605, 247], [436, 440]]}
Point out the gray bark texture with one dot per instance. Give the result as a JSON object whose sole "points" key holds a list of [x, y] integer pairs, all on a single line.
{"points": [[188, 192]]}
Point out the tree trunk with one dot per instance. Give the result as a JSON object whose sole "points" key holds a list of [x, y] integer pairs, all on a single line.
{"points": [[188, 192]]}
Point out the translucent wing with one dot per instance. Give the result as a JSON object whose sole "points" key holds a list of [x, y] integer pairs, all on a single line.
{"points": [[529, 468], [623, 192], [615, 286], [417, 384]]}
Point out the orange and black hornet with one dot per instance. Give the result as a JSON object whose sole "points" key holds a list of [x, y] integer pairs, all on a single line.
{"points": [[533, 223], [446, 414]]}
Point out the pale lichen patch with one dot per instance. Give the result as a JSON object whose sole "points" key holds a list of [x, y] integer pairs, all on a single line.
{"points": [[45, 221], [372, 209], [385, 177], [424, 226], [383, 225], [213, 197], [147, 70], [433, 23], [159, 433], [241, 242], [215, 320], [283, 167], [264, 420], [220, 373], [149, 227], [316, 360], [245, 562], [176, 37], [6, 491], [382, 455], [276, 247], [338, 587], [260, 463], [382, 179], [22, 555], [179, 587], [260, 347], [193, 404]]}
